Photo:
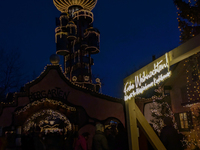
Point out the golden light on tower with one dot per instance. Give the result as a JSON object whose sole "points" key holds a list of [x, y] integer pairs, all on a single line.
{"points": [[64, 5], [75, 36]]}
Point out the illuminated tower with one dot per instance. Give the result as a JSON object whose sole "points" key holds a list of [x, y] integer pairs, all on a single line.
{"points": [[77, 40]]}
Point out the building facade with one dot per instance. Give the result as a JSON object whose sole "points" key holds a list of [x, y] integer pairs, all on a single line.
{"points": [[65, 99], [177, 74]]}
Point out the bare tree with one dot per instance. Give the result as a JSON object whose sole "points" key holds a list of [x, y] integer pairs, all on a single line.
{"points": [[11, 76]]}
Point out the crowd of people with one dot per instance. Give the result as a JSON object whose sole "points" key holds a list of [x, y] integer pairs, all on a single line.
{"points": [[116, 138], [111, 138], [36, 140]]}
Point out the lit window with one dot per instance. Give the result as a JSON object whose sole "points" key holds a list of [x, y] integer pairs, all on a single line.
{"points": [[183, 120]]}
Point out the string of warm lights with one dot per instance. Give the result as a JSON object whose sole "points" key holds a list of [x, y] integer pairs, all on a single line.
{"points": [[45, 70], [193, 95], [156, 110], [7, 103], [193, 136], [83, 13], [54, 102], [63, 5], [158, 116], [192, 72], [188, 19], [52, 114]]}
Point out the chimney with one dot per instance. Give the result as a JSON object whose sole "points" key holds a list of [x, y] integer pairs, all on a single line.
{"points": [[153, 57]]}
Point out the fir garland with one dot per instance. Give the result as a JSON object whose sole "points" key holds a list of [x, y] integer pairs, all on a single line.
{"points": [[188, 18]]}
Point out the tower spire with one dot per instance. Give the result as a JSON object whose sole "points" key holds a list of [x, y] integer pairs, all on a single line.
{"points": [[77, 40]]}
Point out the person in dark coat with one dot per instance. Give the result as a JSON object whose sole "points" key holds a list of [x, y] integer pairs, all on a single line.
{"points": [[121, 139], [38, 141], [169, 136], [25, 140], [99, 139], [110, 138], [3, 142]]}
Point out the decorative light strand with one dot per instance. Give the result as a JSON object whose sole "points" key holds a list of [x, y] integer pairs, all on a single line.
{"points": [[54, 102]]}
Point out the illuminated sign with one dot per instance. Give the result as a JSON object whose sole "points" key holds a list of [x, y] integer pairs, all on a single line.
{"points": [[147, 79]]}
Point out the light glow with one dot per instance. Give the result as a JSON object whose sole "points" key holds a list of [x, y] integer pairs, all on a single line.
{"points": [[140, 83], [63, 5], [83, 13]]}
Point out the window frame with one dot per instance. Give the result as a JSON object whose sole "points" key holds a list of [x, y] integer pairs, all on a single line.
{"points": [[189, 123]]}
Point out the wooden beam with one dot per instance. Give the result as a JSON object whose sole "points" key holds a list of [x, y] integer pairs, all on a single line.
{"points": [[133, 115], [176, 56], [150, 134], [132, 125]]}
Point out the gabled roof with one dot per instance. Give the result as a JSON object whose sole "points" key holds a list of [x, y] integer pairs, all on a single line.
{"points": [[71, 84]]}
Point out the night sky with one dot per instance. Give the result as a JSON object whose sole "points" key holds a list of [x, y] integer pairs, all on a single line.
{"points": [[131, 32]]}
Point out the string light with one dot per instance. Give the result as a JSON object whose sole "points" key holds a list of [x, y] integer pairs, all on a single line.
{"points": [[188, 20], [156, 110], [52, 114], [38, 102], [63, 5], [192, 78]]}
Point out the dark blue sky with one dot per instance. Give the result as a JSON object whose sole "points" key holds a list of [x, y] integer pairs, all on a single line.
{"points": [[131, 32]]}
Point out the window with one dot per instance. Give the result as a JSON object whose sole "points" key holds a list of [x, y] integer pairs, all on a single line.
{"points": [[184, 121], [167, 90]]}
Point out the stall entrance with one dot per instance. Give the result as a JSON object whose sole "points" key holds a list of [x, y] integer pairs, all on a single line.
{"points": [[47, 114], [48, 120]]}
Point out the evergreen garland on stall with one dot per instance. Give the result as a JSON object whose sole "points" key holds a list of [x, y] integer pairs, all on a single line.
{"points": [[188, 18], [160, 109]]}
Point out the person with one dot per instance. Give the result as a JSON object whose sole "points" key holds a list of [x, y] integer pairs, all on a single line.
{"points": [[3, 142], [99, 139], [25, 140], [38, 141], [74, 138], [11, 138], [169, 136], [31, 135], [81, 143], [61, 140], [121, 139], [110, 138]]}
